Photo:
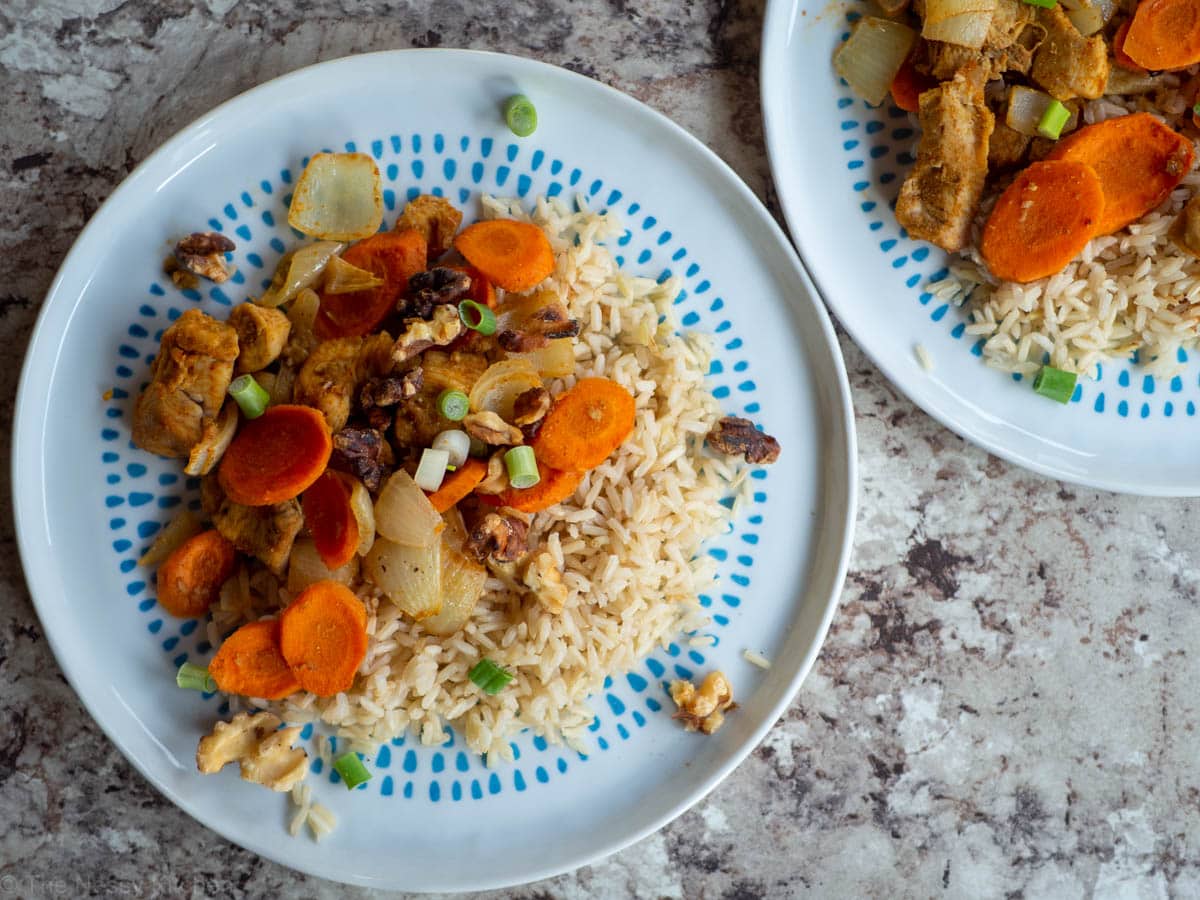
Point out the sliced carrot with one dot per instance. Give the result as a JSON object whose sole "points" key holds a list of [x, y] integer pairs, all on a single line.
{"points": [[908, 85], [554, 487], [1164, 34], [276, 456], [1118, 48], [250, 663], [394, 256], [1139, 161], [190, 579], [458, 484], [1042, 221], [585, 425], [323, 636], [330, 519], [513, 255]]}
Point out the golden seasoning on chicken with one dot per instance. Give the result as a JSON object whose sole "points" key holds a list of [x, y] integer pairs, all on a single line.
{"points": [[1069, 65], [941, 194], [262, 335], [187, 384], [435, 218], [265, 532]]}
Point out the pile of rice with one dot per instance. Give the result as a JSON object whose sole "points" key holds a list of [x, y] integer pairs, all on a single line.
{"points": [[1130, 291], [628, 542]]}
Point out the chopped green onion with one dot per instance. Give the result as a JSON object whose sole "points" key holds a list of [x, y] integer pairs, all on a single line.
{"points": [[490, 677], [1196, 110], [1055, 384], [455, 442], [477, 317], [249, 395], [195, 678], [352, 770], [522, 467], [431, 469], [1044, 4], [453, 405], [520, 114], [1053, 119]]}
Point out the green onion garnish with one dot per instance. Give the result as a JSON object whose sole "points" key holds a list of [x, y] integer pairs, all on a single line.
{"points": [[520, 115], [1055, 384], [1196, 110], [490, 677], [522, 467], [453, 405], [1044, 4], [195, 678], [1053, 119], [249, 395], [477, 317], [352, 770]]}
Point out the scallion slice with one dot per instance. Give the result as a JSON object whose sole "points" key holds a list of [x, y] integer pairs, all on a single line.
{"points": [[352, 770], [431, 469], [477, 317], [1044, 4], [1196, 110], [521, 115], [1053, 119], [1055, 384], [522, 467], [192, 677], [249, 395], [453, 405], [455, 442], [490, 678]]}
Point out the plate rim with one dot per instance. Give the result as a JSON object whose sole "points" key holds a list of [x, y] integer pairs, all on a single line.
{"points": [[27, 497], [943, 409]]}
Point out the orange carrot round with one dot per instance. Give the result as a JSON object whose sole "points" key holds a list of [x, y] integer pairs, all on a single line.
{"points": [[394, 256], [1118, 47], [1139, 161], [250, 663], [458, 484], [276, 456], [1042, 221], [585, 425], [190, 579], [513, 255], [908, 85], [330, 519], [323, 636], [555, 486], [1164, 34]]}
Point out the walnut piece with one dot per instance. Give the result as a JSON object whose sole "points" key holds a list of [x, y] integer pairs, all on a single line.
{"points": [[530, 406], [203, 253], [363, 453], [488, 427], [543, 577], [434, 287], [420, 335], [265, 754], [550, 323], [503, 538], [703, 709], [732, 436], [496, 479]]}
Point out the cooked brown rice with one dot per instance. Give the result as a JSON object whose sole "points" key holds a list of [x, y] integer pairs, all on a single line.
{"points": [[628, 542]]}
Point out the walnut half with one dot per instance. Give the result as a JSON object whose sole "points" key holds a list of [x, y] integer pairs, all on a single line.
{"points": [[703, 709], [263, 750]]}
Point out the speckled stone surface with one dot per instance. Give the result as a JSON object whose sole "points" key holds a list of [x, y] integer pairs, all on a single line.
{"points": [[1006, 705]]}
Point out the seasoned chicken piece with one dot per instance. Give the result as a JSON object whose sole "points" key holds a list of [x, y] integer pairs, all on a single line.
{"points": [[187, 384], [1186, 230], [436, 218], [265, 532], [1007, 147], [418, 421], [215, 438], [332, 374], [1011, 39], [262, 335], [939, 197], [1068, 65], [263, 750], [704, 709]]}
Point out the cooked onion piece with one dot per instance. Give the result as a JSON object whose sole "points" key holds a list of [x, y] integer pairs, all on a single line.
{"points": [[873, 54], [338, 198], [410, 576], [403, 513], [298, 270]]}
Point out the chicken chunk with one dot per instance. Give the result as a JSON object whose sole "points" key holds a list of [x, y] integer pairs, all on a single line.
{"points": [[331, 376], [418, 421], [1185, 232], [187, 384], [265, 532], [703, 709], [1011, 39], [262, 335], [1007, 147], [263, 750], [941, 194], [435, 218], [1067, 64]]}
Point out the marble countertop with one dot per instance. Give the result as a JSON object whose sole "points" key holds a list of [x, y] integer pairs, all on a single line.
{"points": [[1006, 704]]}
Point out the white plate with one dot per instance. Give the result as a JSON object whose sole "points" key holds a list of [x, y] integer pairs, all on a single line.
{"points": [[838, 165], [87, 501]]}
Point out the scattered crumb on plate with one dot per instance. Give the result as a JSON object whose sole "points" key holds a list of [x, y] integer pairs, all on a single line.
{"points": [[923, 357], [756, 659]]}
